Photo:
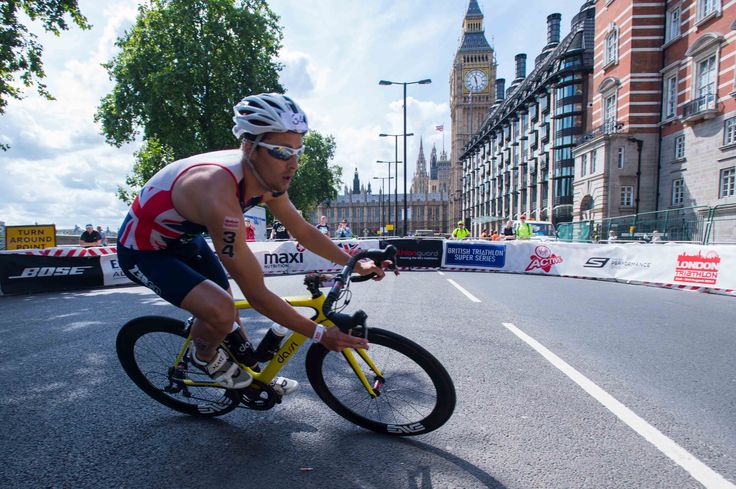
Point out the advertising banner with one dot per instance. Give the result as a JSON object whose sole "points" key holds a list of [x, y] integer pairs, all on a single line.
{"points": [[417, 253], [112, 274], [30, 237], [21, 273], [474, 254], [289, 257]]}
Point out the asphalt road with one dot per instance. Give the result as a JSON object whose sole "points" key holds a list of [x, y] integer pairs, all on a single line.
{"points": [[561, 383]]}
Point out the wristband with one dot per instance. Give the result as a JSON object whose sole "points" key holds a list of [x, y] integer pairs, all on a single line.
{"points": [[319, 332]]}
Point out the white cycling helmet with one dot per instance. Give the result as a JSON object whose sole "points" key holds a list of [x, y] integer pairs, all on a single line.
{"points": [[268, 112]]}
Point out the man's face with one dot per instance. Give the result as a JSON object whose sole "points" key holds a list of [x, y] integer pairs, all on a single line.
{"points": [[89, 229], [278, 174]]}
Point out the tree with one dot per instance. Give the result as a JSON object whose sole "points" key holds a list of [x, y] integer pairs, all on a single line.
{"points": [[316, 180], [20, 52], [148, 160], [180, 70]]}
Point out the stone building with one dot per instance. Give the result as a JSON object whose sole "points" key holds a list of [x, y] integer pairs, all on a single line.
{"points": [[521, 159]]}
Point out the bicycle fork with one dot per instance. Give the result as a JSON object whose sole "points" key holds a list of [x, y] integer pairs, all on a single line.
{"points": [[374, 390]]}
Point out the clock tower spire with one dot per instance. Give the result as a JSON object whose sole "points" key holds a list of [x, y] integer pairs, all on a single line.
{"points": [[472, 91]]}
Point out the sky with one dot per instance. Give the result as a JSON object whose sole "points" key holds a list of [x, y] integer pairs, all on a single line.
{"points": [[60, 171]]}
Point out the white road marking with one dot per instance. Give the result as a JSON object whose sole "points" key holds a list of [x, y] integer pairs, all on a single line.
{"points": [[441, 273], [697, 469], [465, 292]]}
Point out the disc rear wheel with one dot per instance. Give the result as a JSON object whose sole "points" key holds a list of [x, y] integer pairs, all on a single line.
{"points": [[147, 348]]}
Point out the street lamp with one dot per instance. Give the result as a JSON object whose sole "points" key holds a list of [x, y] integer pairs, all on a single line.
{"points": [[389, 178], [396, 168], [426, 81], [383, 192]]}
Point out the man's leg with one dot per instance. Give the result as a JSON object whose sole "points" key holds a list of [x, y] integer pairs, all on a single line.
{"points": [[209, 300]]}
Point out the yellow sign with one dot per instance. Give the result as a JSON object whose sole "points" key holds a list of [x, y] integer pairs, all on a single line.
{"points": [[389, 227], [30, 237]]}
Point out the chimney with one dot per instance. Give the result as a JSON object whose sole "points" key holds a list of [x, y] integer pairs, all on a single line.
{"points": [[500, 90], [553, 28], [520, 66]]}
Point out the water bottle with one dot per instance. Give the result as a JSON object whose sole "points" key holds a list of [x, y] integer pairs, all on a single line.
{"points": [[270, 343]]}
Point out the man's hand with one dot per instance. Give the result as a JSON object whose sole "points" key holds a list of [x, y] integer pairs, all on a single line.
{"points": [[366, 267], [336, 340]]}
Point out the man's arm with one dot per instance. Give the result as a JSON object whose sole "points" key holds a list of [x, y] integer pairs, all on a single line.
{"points": [[316, 242], [220, 212]]}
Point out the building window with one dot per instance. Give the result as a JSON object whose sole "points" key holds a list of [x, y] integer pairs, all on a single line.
{"points": [[627, 196], [593, 158], [620, 158], [612, 47], [705, 82], [673, 24], [678, 191], [583, 165], [729, 131], [669, 110], [680, 147], [707, 7], [728, 183], [609, 114]]}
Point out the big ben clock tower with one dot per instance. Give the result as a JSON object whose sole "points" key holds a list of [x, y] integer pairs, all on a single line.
{"points": [[472, 91]]}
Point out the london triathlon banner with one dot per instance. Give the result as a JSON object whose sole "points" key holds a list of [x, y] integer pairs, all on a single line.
{"points": [[692, 267]]}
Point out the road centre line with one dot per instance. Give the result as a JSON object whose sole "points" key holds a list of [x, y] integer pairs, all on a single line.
{"points": [[465, 292], [440, 272], [697, 469]]}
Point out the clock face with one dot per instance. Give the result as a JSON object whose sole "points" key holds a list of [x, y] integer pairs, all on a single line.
{"points": [[476, 80]]}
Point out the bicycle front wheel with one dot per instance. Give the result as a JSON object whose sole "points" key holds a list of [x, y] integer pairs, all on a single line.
{"points": [[148, 348], [416, 394]]}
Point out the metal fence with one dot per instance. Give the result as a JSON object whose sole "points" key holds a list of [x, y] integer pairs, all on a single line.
{"points": [[699, 224]]}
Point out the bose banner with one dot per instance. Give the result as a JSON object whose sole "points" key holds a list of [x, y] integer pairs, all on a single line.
{"points": [[22, 273]]}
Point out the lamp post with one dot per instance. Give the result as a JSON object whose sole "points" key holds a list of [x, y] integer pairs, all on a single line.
{"points": [[389, 184], [426, 81], [383, 192], [396, 168]]}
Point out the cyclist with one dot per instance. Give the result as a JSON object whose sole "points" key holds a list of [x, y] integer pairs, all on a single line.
{"points": [[460, 232], [161, 245]]}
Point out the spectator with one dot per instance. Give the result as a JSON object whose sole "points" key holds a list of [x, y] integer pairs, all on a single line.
{"points": [[460, 232], [484, 234], [656, 236], [103, 236], [89, 237], [524, 230], [508, 230], [323, 227], [279, 231], [250, 230], [343, 230], [612, 238], [495, 236]]}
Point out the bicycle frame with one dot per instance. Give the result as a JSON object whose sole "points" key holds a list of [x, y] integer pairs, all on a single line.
{"points": [[290, 345]]}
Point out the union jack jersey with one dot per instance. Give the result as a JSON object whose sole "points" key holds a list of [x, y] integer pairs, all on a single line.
{"points": [[153, 223]]}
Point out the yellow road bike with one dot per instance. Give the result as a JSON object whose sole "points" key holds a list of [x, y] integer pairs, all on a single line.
{"points": [[395, 387]]}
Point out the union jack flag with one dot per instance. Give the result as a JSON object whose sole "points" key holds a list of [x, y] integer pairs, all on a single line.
{"points": [[439, 128]]}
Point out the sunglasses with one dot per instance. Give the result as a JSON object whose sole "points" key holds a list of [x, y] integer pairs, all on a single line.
{"points": [[282, 152]]}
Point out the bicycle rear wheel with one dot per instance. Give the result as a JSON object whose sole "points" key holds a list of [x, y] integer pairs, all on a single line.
{"points": [[147, 348], [417, 394]]}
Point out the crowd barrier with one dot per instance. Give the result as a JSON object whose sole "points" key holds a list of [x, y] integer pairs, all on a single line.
{"points": [[709, 268]]}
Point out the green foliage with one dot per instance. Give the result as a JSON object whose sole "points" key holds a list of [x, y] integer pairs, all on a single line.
{"points": [[152, 156], [316, 180], [20, 52], [183, 66]]}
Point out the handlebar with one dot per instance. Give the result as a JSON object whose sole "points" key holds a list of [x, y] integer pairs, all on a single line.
{"points": [[346, 322]]}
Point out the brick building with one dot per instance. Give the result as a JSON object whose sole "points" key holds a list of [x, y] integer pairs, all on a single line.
{"points": [[663, 132]]}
